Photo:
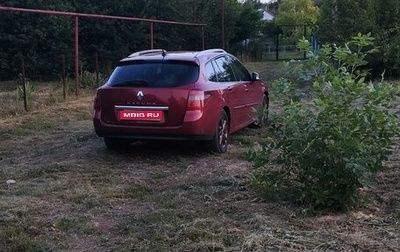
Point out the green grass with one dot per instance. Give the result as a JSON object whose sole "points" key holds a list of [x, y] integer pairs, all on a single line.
{"points": [[38, 96], [77, 225], [19, 227], [139, 192], [71, 194], [44, 171]]}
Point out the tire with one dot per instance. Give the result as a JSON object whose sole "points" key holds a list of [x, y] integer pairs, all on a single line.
{"points": [[116, 143], [219, 143], [262, 114]]}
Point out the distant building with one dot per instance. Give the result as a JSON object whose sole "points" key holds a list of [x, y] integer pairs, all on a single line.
{"points": [[267, 16]]}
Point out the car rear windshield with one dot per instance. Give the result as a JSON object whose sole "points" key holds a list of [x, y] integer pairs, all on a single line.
{"points": [[162, 73]]}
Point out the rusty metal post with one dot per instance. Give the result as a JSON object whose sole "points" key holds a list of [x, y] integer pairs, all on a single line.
{"points": [[223, 24], [24, 84], [96, 66], [151, 35], [64, 83], [76, 55]]}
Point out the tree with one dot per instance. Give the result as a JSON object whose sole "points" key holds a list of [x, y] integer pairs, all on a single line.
{"points": [[297, 12], [340, 20], [293, 16], [41, 39], [249, 22], [387, 31]]}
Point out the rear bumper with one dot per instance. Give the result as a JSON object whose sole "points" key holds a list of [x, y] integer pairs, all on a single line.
{"points": [[158, 137], [187, 131]]}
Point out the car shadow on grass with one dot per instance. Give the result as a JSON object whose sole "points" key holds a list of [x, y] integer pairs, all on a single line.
{"points": [[163, 148]]}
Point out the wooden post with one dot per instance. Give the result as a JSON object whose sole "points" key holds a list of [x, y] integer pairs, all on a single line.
{"points": [[64, 83], [76, 55], [24, 84], [202, 38], [96, 65]]}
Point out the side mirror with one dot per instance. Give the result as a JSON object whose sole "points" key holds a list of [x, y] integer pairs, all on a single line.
{"points": [[255, 76]]}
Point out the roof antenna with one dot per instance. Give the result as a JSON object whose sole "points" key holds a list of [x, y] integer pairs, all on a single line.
{"points": [[164, 53]]}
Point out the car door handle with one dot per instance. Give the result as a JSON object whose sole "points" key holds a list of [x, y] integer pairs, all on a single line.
{"points": [[229, 88]]}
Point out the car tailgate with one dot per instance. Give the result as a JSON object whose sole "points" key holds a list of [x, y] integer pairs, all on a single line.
{"points": [[143, 106]]}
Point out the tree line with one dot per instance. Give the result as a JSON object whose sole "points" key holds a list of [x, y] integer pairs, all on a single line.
{"points": [[337, 21], [43, 39], [341, 19]]}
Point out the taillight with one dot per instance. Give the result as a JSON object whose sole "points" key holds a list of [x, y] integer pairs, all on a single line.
{"points": [[196, 100], [195, 105]]}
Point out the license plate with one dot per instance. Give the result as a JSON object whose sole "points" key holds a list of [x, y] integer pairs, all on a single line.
{"points": [[138, 115]]}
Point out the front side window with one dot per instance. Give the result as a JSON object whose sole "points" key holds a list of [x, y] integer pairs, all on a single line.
{"points": [[162, 73]]}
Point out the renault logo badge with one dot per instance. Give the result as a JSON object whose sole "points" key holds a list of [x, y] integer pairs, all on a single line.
{"points": [[140, 95]]}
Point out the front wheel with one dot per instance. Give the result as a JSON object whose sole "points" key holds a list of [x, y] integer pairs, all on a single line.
{"points": [[262, 113], [219, 143]]}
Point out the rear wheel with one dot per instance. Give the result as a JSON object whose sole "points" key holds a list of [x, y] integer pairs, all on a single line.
{"points": [[219, 143], [116, 143]]}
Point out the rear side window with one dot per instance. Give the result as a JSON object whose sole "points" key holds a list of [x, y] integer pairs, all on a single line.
{"points": [[241, 72], [162, 73], [210, 72], [224, 71]]}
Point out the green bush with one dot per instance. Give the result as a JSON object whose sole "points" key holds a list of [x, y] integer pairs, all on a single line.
{"points": [[327, 147], [29, 91]]}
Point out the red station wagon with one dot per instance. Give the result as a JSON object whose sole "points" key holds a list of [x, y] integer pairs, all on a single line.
{"points": [[201, 96]]}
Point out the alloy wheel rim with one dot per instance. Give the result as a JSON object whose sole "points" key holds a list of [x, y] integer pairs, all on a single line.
{"points": [[223, 133]]}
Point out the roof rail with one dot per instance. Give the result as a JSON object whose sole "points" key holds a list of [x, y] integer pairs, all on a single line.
{"points": [[214, 50], [145, 52]]}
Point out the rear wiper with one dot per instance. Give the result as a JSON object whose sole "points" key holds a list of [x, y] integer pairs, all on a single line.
{"points": [[136, 83]]}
